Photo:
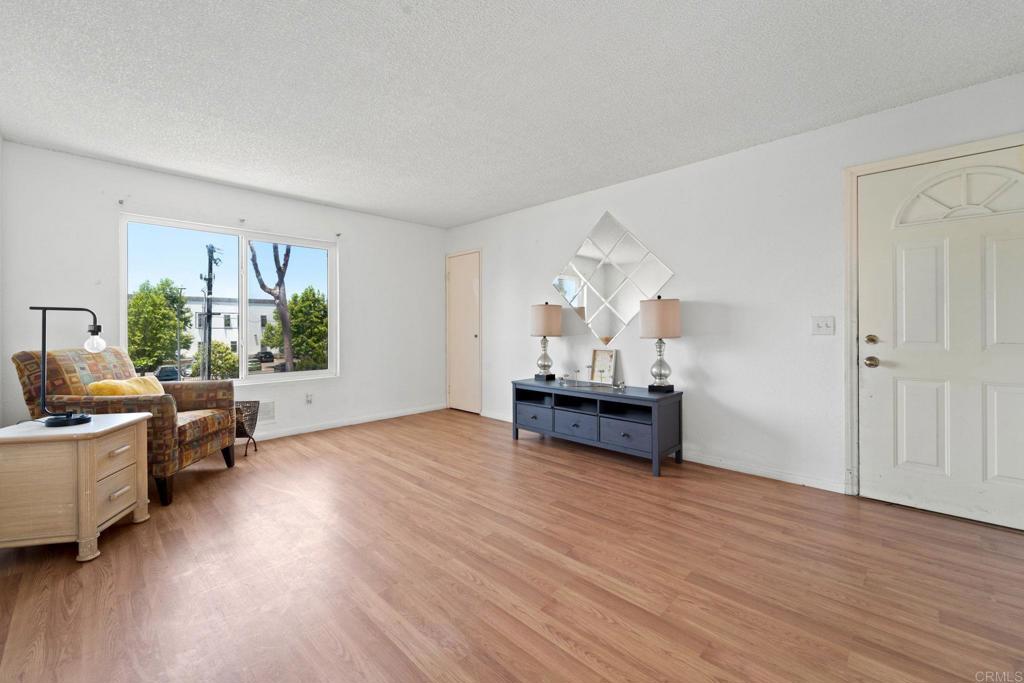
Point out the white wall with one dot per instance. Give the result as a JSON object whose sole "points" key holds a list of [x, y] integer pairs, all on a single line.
{"points": [[60, 222], [2, 374], [756, 240]]}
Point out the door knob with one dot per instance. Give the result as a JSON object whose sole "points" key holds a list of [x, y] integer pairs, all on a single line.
{"points": [[872, 361], [871, 339]]}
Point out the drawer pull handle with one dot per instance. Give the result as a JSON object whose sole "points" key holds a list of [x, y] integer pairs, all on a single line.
{"points": [[533, 417], [118, 451], [575, 425], [120, 492], [624, 435]]}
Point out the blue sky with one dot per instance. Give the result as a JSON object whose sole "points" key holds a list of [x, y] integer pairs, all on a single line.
{"points": [[156, 252]]}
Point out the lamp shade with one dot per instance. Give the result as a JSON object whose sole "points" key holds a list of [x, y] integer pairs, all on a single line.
{"points": [[545, 320], [659, 319]]}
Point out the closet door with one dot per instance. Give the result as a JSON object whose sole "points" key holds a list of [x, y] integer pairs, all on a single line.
{"points": [[463, 305]]}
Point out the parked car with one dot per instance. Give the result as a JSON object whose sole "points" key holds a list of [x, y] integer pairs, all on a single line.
{"points": [[263, 356], [167, 373]]}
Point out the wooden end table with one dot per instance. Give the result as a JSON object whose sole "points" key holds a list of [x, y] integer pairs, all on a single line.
{"points": [[61, 484]]}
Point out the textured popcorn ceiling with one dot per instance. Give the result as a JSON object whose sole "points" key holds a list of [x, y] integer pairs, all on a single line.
{"points": [[447, 112]]}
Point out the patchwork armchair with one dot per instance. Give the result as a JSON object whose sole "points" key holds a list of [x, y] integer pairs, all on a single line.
{"points": [[190, 421]]}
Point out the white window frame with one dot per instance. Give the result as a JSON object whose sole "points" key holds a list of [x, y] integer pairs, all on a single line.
{"points": [[245, 235]]}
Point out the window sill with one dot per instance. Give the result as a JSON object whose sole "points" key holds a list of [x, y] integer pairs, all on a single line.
{"points": [[279, 378]]}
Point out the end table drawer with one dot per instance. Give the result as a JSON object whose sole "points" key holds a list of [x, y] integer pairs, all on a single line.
{"points": [[114, 452], [115, 494], [533, 417], [631, 435], [576, 424]]}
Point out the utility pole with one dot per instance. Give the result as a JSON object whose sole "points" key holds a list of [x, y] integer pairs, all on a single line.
{"points": [[177, 337], [211, 260]]}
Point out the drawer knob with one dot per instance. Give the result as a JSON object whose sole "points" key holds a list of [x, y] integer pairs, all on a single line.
{"points": [[120, 492], [118, 451]]}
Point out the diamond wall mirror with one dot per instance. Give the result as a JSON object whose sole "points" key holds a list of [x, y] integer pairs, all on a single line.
{"points": [[609, 275]]}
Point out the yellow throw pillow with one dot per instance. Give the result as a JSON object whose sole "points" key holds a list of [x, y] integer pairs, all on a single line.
{"points": [[136, 386]]}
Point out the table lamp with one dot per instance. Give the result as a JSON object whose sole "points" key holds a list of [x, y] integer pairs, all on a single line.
{"points": [[659, 319], [93, 344], [545, 321]]}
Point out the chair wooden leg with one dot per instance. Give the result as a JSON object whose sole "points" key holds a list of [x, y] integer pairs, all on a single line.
{"points": [[229, 455], [165, 489]]}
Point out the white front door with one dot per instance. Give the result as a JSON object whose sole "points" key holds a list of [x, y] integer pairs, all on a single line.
{"points": [[464, 374], [941, 292]]}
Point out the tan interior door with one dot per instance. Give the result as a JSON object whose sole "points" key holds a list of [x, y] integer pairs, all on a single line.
{"points": [[463, 278], [941, 287]]}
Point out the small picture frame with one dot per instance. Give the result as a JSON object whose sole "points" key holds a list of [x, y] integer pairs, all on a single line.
{"points": [[602, 366]]}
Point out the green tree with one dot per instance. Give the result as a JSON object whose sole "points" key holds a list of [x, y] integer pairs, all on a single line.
{"points": [[177, 303], [223, 361], [176, 300], [151, 329], [271, 337], [307, 311]]}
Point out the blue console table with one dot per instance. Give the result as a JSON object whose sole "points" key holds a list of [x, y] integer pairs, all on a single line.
{"points": [[633, 420]]}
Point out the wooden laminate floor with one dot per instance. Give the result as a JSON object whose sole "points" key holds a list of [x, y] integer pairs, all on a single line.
{"points": [[434, 548]]}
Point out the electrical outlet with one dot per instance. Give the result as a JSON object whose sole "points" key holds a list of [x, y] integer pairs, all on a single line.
{"points": [[823, 324], [309, 399]]}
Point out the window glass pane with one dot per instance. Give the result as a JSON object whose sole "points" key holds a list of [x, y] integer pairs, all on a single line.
{"points": [[288, 312], [173, 316]]}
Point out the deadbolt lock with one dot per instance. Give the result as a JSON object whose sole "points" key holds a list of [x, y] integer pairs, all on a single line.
{"points": [[871, 339]]}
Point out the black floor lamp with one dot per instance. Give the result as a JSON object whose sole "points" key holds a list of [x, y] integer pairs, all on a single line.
{"points": [[93, 344]]}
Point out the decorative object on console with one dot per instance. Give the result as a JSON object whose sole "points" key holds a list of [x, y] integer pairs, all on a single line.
{"points": [[611, 273], [93, 344], [659, 319], [602, 366], [545, 321]]}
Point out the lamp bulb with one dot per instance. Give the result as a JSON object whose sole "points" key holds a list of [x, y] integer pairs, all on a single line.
{"points": [[94, 344]]}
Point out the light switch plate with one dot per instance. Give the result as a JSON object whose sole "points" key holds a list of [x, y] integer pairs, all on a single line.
{"points": [[823, 324]]}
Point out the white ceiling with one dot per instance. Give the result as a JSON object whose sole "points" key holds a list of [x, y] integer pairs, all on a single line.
{"points": [[447, 112]]}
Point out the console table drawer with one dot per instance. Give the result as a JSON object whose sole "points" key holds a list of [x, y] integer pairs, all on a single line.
{"points": [[628, 434], [531, 416], [576, 424]]}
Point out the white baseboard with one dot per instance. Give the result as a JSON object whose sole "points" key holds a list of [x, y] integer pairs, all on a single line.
{"points": [[305, 429], [690, 455]]}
